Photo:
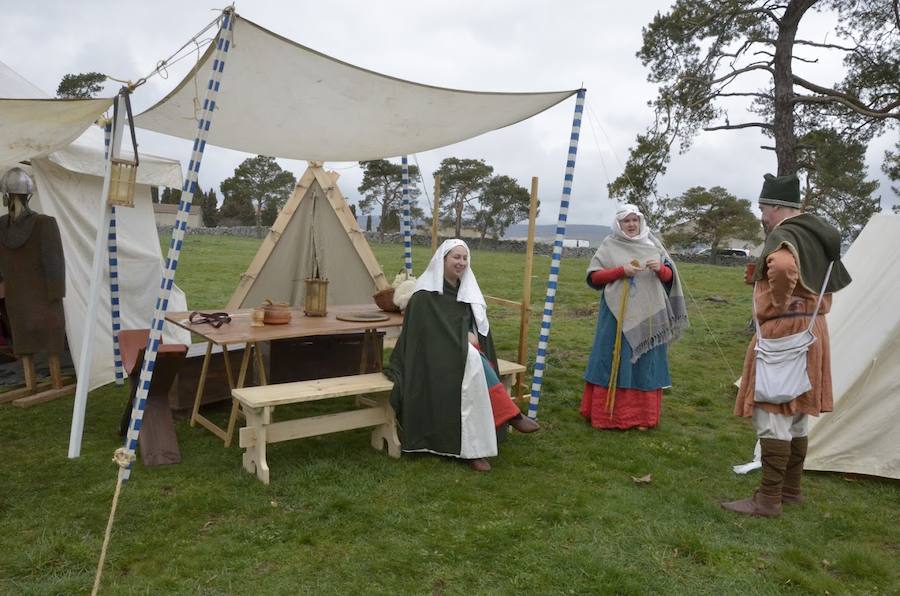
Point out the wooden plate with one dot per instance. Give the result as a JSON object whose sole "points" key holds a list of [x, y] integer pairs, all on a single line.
{"points": [[362, 317]]}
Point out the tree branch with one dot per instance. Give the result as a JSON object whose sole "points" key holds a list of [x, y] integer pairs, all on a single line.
{"points": [[850, 102], [832, 46], [755, 66], [744, 125], [765, 11], [747, 94]]}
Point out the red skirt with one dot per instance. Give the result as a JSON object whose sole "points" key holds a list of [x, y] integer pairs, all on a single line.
{"points": [[633, 408]]}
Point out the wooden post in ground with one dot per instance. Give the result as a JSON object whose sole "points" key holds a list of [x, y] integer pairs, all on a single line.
{"points": [[435, 215], [55, 372], [526, 288]]}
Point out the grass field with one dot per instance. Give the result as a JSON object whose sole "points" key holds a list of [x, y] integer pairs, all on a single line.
{"points": [[559, 513]]}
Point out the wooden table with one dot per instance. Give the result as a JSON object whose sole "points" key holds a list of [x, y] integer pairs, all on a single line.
{"points": [[239, 331]]}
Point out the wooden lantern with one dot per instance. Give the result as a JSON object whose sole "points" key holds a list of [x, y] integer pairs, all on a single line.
{"points": [[316, 297], [122, 182]]}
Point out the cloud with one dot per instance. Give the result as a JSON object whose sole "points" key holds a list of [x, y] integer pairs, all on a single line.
{"points": [[499, 45]]}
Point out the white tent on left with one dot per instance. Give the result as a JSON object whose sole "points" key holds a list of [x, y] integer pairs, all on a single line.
{"points": [[66, 152]]}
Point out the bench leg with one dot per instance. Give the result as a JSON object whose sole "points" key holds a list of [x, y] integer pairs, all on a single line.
{"points": [[508, 382], [386, 433], [254, 457]]}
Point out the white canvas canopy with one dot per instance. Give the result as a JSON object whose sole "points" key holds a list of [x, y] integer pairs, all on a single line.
{"points": [[861, 435], [69, 182], [314, 229], [280, 98]]}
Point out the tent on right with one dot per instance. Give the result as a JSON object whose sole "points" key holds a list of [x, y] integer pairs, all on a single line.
{"points": [[861, 436]]}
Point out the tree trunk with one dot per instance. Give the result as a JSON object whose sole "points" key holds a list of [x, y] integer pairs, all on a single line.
{"points": [[783, 118], [384, 212], [459, 212]]}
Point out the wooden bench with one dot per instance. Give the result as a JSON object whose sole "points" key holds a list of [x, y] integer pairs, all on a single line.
{"points": [[373, 388]]}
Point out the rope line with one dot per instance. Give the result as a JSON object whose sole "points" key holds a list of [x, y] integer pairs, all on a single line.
{"points": [[122, 459]]}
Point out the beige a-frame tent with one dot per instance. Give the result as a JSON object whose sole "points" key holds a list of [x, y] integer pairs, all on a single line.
{"points": [[315, 227], [861, 435]]}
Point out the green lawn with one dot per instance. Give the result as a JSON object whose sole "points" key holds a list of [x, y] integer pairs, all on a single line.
{"points": [[559, 513]]}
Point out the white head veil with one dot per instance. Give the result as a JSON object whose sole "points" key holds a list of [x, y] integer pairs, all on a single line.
{"points": [[624, 211], [432, 280]]}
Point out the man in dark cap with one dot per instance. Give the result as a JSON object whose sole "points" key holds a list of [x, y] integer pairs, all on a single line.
{"points": [[789, 276]]}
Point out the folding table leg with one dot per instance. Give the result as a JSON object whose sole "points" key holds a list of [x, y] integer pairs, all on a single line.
{"points": [[235, 406], [201, 383]]}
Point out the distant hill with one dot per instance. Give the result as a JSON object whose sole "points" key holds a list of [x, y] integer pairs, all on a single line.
{"points": [[543, 233], [546, 233]]}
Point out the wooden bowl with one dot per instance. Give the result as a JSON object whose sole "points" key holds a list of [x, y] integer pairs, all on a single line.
{"points": [[277, 314]]}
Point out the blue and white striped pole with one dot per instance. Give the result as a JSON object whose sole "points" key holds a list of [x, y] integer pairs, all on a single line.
{"points": [[112, 251], [406, 223], [552, 281], [223, 44]]}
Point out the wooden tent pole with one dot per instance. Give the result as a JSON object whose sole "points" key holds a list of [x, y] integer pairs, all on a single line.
{"points": [[525, 314], [435, 215]]}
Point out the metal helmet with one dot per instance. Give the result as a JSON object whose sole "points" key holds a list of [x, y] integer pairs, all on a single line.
{"points": [[17, 182]]}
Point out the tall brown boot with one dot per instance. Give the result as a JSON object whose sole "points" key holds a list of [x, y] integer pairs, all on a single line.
{"points": [[766, 501], [790, 492]]}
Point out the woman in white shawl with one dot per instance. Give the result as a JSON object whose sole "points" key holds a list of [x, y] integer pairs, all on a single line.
{"points": [[447, 396], [642, 310]]}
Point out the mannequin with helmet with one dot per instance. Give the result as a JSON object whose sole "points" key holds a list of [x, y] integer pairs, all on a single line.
{"points": [[32, 267]]}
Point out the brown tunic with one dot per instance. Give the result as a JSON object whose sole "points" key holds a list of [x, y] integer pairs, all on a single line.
{"points": [[33, 266], [778, 295]]}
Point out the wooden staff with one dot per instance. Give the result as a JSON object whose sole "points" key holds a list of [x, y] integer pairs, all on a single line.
{"points": [[525, 313]]}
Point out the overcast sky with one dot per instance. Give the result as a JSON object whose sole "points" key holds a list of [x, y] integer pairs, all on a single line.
{"points": [[486, 45]]}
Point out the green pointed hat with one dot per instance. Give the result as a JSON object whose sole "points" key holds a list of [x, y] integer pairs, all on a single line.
{"points": [[783, 191]]}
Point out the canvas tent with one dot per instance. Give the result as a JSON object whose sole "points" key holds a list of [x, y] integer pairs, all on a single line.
{"points": [[314, 229], [68, 175], [861, 435], [280, 98]]}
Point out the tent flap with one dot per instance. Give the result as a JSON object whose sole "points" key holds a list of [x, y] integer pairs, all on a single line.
{"points": [[35, 127], [860, 436], [306, 105]]}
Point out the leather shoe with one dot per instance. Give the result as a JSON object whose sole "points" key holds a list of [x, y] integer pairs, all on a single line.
{"points": [[523, 424], [480, 465]]}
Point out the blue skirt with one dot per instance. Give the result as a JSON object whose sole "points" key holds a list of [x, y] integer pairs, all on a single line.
{"points": [[651, 371]]}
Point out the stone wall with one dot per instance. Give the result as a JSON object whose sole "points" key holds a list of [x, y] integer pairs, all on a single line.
{"points": [[540, 248]]}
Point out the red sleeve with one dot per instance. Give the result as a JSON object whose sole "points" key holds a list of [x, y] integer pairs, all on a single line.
{"points": [[601, 277], [665, 274]]}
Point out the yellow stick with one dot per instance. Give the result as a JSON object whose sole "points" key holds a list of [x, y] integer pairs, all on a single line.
{"points": [[617, 351]]}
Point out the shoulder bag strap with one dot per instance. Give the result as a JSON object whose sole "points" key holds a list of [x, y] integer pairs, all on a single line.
{"points": [[821, 295]]}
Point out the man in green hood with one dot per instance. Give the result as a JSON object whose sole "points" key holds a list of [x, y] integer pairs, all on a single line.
{"points": [[789, 275]]}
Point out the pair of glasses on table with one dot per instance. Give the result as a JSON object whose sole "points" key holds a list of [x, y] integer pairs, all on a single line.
{"points": [[215, 319]]}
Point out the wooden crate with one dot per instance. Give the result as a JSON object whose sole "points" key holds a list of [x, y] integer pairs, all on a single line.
{"points": [[184, 389], [322, 357]]}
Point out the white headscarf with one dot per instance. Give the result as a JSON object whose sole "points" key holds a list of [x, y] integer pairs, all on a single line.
{"points": [[432, 280], [643, 236]]}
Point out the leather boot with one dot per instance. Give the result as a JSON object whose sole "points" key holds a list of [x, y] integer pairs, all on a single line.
{"points": [[480, 465], [766, 501], [790, 492], [524, 424]]}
